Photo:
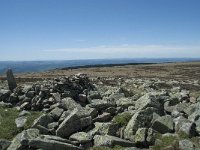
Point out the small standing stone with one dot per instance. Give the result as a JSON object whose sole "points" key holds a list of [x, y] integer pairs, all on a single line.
{"points": [[11, 80]]}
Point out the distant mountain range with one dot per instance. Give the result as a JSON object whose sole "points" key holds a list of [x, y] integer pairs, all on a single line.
{"points": [[37, 66]]}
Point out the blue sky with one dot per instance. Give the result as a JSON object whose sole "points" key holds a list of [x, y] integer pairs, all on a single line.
{"points": [[84, 29]]}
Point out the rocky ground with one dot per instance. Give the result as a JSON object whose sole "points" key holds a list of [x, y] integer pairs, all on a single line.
{"points": [[107, 112]]}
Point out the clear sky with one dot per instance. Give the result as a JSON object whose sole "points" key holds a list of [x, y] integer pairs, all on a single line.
{"points": [[82, 29]]}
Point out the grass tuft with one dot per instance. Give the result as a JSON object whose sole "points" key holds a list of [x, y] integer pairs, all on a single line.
{"points": [[8, 128], [122, 119]]}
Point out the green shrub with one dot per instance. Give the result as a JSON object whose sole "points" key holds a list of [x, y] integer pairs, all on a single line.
{"points": [[122, 119]]}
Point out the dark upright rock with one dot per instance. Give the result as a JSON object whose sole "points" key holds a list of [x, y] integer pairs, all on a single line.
{"points": [[11, 80]]}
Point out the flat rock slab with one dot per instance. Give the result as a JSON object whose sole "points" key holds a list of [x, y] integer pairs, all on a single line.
{"points": [[110, 141], [81, 137], [51, 145]]}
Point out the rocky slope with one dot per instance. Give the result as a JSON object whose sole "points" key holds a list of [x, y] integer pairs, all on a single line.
{"points": [[82, 113]]}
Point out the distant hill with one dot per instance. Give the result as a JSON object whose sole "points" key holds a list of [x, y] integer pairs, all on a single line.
{"points": [[37, 66]]}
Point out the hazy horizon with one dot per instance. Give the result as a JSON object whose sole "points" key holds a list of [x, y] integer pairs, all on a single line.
{"points": [[101, 29]]}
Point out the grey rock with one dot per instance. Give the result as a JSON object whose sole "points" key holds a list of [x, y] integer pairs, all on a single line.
{"points": [[25, 105], [4, 144], [43, 130], [194, 116], [100, 104], [164, 124], [59, 139], [151, 136], [56, 113], [168, 108], [184, 126], [147, 101], [69, 104], [140, 136], [30, 94], [4, 95], [107, 128], [13, 98], [24, 113], [94, 95], [125, 102], [105, 117], [53, 125], [186, 145], [111, 110], [73, 123], [110, 141], [51, 144], [82, 98], [20, 121], [140, 119], [183, 107], [56, 97], [5, 105], [43, 120], [20, 142], [81, 137], [11, 80], [63, 116], [91, 111], [190, 109]]}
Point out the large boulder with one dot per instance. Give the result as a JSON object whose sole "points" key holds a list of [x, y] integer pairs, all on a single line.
{"points": [[73, 123], [147, 101], [185, 127], [43, 120], [140, 119], [56, 113], [164, 124], [110, 141], [69, 104], [20, 142]]}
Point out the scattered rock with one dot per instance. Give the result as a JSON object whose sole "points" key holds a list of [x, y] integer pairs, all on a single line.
{"points": [[78, 114]]}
